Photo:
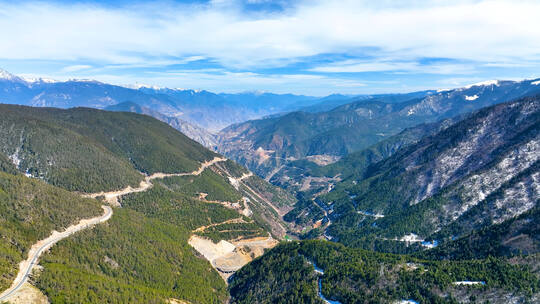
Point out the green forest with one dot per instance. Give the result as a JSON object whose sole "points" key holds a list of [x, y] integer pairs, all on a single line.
{"points": [[286, 275], [113, 263], [130, 259], [29, 211]]}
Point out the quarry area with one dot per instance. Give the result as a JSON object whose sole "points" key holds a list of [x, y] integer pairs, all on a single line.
{"points": [[229, 256]]}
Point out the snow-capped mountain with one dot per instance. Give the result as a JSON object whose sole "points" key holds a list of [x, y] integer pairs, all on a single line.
{"points": [[6, 76], [199, 107]]}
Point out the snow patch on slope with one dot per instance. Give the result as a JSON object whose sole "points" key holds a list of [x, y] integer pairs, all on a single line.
{"points": [[414, 238], [411, 238], [7, 76], [471, 98], [479, 186], [15, 158], [469, 283], [138, 86], [448, 163], [518, 199]]}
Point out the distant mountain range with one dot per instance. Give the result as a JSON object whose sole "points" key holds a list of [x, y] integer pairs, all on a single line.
{"points": [[266, 145], [198, 107]]}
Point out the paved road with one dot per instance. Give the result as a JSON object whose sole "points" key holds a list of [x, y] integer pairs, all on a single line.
{"points": [[47, 243]]}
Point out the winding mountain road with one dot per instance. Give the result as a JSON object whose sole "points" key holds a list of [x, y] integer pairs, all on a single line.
{"points": [[26, 266], [112, 196]]}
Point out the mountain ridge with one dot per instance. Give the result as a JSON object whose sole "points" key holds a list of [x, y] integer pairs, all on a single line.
{"points": [[199, 107], [266, 144]]}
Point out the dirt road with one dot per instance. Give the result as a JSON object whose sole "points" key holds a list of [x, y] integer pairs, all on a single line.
{"points": [[25, 267], [112, 196]]}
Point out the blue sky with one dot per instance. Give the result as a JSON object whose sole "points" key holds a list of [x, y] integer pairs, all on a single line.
{"points": [[305, 47]]}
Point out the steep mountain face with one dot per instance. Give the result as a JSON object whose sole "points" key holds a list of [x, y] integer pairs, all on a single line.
{"points": [[194, 132], [267, 144], [469, 191], [480, 171]]}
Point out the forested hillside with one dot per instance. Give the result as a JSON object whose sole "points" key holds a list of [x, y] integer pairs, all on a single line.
{"points": [[143, 253], [29, 211], [141, 256], [91, 150], [287, 275]]}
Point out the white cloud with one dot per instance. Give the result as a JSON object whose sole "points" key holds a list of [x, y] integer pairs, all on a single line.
{"points": [[77, 67], [190, 59], [398, 67], [355, 66], [484, 31]]}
